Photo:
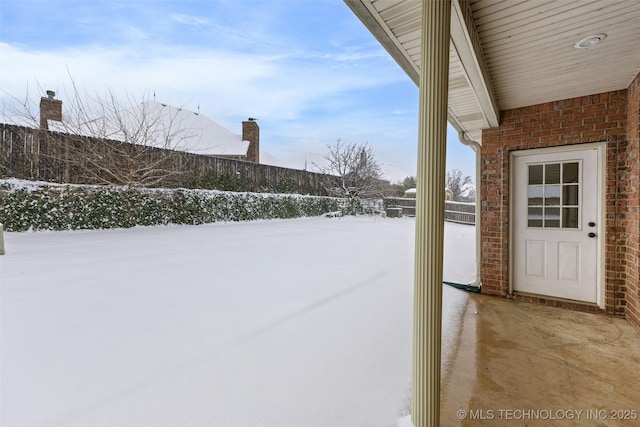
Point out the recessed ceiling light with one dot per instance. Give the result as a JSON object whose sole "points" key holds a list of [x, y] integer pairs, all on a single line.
{"points": [[590, 41]]}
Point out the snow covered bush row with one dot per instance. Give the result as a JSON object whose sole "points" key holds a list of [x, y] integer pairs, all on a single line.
{"points": [[26, 205]]}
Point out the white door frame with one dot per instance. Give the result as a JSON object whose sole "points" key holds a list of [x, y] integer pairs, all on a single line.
{"points": [[601, 197]]}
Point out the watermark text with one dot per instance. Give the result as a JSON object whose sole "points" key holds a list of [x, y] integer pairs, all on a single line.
{"points": [[520, 414]]}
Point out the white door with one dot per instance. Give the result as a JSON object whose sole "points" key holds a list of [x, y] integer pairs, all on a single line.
{"points": [[556, 222]]}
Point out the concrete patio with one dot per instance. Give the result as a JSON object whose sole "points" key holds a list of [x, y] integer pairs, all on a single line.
{"points": [[517, 363]]}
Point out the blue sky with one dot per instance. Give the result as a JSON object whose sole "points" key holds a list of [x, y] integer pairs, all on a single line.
{"points": [[307, 69]]}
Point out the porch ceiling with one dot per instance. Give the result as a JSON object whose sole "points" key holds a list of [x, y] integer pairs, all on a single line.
{"points": [[507, 54]]}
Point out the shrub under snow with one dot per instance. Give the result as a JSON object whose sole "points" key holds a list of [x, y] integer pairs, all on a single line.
{"points": [[28, 205]]}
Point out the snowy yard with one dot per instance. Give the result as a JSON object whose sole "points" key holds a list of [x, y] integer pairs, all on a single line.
{"points": [[302, 322]]}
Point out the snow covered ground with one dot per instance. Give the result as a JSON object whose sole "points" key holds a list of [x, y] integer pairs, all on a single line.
{"points": [[302, 322]]}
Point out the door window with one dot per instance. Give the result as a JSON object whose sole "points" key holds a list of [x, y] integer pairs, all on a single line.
{"points": [[553, 195]]}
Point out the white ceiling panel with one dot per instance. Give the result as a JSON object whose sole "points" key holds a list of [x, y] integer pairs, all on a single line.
{"points": [[529, 47], [518, 53]]}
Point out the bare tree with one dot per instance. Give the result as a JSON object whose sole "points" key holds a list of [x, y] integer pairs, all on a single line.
{"points": [[352, 171], [107, 140], [460, 186]]}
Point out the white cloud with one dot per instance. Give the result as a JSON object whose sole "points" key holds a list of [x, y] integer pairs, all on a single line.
{"points": [[132, 33], [223, 83], [191, 20]]}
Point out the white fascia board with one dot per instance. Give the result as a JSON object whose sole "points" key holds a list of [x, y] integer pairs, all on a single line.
{"points": [[466, 42], [368, 15]]}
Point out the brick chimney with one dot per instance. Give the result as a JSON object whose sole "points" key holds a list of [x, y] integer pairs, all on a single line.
{"points": [[50, 109], [251, 133]]}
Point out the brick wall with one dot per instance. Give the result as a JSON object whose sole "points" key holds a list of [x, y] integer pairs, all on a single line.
{"points": [[632, 188], [595, 118]]}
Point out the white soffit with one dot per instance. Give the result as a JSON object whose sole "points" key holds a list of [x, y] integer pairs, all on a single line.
{"points": [[397, 26], [513, 53], [530, 53]]}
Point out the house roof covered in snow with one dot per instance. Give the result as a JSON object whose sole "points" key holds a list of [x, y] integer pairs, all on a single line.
{"points": [[189, 131], [164, 126]]}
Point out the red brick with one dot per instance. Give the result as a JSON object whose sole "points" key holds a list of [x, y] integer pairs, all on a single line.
{"points": [[613, 117]]}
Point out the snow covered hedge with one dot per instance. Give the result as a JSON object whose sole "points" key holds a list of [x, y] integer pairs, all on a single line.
{"points": [[28, 205]]}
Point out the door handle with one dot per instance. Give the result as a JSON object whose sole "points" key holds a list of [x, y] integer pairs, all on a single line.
{"points": [[592, 235]]}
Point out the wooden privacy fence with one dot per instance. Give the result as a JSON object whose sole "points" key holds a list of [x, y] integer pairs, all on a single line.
{"points": [[406, 205], [36, 154], [464, 213], [460, 212]]}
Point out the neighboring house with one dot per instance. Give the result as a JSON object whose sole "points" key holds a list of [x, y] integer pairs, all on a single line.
{"points": [[168, 127]]}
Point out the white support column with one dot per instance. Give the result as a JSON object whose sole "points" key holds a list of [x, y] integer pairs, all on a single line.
{"points": [[432, 142]]}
